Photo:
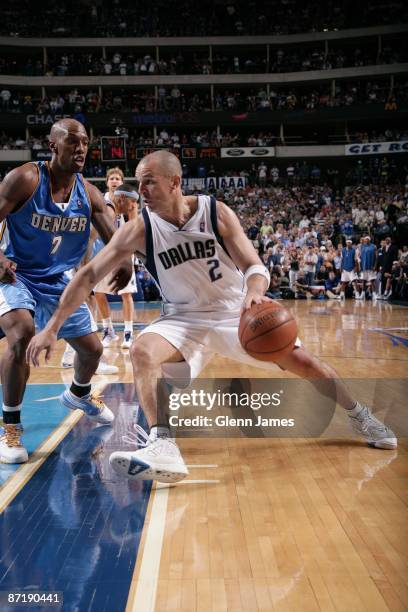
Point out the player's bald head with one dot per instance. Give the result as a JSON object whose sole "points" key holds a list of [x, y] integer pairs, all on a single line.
{"points": [[163, 162], [66, 126]]}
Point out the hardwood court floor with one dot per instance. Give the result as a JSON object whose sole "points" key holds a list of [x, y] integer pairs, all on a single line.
{"points": [[289, 524]]}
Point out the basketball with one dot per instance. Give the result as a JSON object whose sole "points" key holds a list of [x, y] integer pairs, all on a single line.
{"points": [[267, 331]]}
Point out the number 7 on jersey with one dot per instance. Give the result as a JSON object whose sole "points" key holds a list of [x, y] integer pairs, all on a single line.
{"points": [[56, 242]]}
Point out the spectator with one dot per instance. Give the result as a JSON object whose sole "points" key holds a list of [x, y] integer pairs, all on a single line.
{"points": [[310, 263]]}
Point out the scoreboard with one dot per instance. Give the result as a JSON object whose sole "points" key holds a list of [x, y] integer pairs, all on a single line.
{"points": [[113, 148]]}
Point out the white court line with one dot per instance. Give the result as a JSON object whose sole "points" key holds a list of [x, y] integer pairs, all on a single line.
{"points": [[388, 329], [145, 596], [48, 399]]}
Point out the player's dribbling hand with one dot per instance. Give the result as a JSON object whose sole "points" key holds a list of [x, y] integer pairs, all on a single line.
{"points": [[7, 270], [43, 341], [254, 297], [121, 277]]}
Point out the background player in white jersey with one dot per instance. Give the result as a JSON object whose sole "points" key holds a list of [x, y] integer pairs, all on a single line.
{"points": [[114, 178], [124, 199], [48, 210], [198, 252]]}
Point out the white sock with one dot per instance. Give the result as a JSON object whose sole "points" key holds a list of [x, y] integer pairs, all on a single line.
{"points": [[128, 326], [107, 323], [12, 408], [355, 411], [159, 431]]}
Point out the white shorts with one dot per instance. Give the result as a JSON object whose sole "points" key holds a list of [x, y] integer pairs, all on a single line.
{"points": [[348, 277], [198, 336], [368, 275]]}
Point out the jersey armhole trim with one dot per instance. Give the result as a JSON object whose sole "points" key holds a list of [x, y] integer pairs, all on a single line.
{"points": [[17, 210], [83, 181], [214, 223], [149, 263]]}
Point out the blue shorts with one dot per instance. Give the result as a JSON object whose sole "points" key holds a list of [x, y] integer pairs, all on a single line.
{"points": [[41, 297]]}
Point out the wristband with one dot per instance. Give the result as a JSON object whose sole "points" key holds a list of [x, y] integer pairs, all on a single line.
{"points": [[257, 269]]}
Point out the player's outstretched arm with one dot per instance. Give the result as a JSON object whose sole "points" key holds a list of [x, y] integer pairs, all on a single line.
{"points": [[16, 188], [102, 216], [104, 223], [124, 242], [243, 255]]}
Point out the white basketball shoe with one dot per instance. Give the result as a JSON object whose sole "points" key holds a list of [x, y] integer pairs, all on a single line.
{"points": [[376, 433], [11, 447], [158, 459]]}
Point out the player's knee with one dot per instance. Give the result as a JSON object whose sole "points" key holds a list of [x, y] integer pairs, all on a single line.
{"points": [[141, 356], [18, 339], [90, 352], [97, 351]]}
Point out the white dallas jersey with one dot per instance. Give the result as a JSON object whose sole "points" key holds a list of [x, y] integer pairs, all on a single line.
{"points": [[190, 264]]}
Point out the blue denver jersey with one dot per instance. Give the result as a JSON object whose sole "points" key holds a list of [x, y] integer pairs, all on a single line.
{"points": [[348, 258], [45, 240], [367, 257]]}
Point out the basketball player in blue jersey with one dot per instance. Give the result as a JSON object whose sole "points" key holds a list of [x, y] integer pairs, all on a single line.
{"points": [[208, 272], [48, 210]]}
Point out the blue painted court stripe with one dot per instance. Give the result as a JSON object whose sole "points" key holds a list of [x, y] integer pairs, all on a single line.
{"points": [[39, 418], [75, 527]]}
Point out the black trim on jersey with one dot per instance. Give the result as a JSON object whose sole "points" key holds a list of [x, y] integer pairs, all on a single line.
{"points": [[149, 263], [214, 223]]}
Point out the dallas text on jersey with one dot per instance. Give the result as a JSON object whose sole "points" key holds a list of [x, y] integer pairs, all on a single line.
{"points": [[186, 252]]}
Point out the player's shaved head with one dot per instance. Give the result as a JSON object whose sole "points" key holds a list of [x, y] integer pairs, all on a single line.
{"points": [[166, 163], [65, 126], [69, 145]]}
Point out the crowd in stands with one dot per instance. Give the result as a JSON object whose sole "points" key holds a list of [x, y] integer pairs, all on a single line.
{"points": [[176, 99], [202, 138], [175, 139], [301, 233], [385, 135], [238, 62], [163, 17]]}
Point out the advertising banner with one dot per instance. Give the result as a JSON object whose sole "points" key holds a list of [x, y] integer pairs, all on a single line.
{"points": [[247, 151], [377, 148]]}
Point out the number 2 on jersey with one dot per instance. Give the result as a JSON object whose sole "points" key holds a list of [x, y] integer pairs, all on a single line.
{"points": [[56, 243], [214, 265]]}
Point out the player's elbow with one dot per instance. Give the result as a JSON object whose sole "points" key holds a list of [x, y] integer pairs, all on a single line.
{"points": [[88, 276]]}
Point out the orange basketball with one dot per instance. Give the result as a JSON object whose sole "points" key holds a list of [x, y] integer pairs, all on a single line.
{"points": [[267, 331]]}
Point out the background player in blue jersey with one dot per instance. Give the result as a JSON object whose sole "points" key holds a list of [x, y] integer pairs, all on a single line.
{"points": [[368, 261], [194, 326], [48, 210]]}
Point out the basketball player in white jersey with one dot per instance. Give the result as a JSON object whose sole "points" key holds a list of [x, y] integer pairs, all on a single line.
{"points": [[124, 199], [208, 271]]}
